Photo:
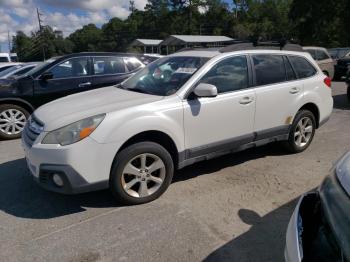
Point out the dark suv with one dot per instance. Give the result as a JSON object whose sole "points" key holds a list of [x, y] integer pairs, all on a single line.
{"points": [[58, 77]]}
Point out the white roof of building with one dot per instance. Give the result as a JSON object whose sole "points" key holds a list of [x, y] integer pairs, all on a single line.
{"points": [[183, 39], [146, 42]]}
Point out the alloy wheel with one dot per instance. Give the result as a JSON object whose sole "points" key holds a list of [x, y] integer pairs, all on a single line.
{"points": [[143, 175], [12, 121], [303, 132]]}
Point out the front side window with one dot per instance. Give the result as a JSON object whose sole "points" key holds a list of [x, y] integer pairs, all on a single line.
{"points": [[228, 75], [302, 67], [269, 69], [74, 67], [109, 65], [165, 76]]}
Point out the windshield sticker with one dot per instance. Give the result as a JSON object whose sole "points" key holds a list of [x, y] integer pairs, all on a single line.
{"points": [[183, 70]]}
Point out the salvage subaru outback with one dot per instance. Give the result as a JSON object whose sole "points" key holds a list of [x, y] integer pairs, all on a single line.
{"points": [[184, 108]]}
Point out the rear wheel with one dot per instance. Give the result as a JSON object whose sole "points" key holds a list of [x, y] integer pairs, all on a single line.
{"points": [[302, 131], [141, 173], [12, 121]]}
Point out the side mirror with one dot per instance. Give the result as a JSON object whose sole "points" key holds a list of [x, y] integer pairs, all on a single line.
{"points": [[46, 76], [206, 90]]}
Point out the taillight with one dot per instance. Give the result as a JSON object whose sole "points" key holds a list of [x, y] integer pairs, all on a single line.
{"points": [[328, 81]]}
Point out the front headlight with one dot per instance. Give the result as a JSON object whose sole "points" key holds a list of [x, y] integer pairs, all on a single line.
{"points": [[74, 132]]}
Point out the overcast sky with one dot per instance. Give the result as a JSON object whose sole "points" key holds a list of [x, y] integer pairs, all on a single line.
{"points": [[65, 15]]}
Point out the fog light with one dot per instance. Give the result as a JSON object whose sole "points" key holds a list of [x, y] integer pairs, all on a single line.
{"points": [[57, 180]]}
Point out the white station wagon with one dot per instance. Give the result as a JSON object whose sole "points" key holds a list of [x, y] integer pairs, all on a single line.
{"points": [[181, 109]]}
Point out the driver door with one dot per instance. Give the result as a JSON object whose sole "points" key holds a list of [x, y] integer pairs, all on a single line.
{"points": [[68, 77], [226, 121]]}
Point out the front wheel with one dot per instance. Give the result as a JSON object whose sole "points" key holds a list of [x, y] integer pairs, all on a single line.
{"points": [[12, 121], [301, 132], [141, 173]]}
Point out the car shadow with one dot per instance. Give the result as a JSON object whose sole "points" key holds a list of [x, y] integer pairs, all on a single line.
{"points": [[20, 196], [341, 102], [264, 241], [217, 164]]}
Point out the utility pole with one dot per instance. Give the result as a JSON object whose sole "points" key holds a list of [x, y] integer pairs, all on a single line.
{"points": [[41, 30], [9, 41]]}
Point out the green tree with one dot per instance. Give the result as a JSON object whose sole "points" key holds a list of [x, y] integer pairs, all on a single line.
{"points": [[86, 39]]}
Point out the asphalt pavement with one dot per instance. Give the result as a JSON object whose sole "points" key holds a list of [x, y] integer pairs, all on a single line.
{"points": [[234, 208]]}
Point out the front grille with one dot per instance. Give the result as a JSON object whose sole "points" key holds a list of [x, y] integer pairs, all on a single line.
{"points": [[32, 130]]}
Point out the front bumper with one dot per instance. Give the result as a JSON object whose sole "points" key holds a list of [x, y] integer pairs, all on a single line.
{"points": [[83, 166]]}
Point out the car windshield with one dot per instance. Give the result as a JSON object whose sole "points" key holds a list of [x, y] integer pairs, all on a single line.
{"points": [[41, 66], [165, 76], [10, 70]]}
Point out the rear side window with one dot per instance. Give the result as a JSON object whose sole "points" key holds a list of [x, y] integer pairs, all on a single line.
{"points": [[290, 74], [322, 55], [302, 67], [269, 69], [109, 65]]}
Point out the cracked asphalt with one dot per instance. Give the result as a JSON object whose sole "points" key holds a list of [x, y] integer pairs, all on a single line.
{"points": [[234, 208]]}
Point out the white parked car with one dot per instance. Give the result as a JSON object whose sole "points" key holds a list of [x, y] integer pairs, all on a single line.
{"points": [[181, 109]]}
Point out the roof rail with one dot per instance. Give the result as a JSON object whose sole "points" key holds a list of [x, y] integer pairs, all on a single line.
{"points": [[254, 45]]}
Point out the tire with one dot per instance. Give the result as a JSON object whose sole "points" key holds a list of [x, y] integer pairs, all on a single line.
{"points": [[12, 112], [292, 145], [131, 193], [348, 92]]}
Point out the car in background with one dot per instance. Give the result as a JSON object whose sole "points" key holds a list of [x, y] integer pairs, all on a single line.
{"points": [[319, 229], [4, 66], [323, 59], [347, 80], [342, 67], [16, 70], [58, 77], [13, 57], [337, 53], [5, 58], [149, 58]]}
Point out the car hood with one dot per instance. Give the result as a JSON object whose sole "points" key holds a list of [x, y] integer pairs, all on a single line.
{"points": [[73, 108], [343, 172]]}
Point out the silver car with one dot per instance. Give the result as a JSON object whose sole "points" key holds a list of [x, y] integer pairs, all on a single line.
{"points": [[323, 59], [319, 229]]}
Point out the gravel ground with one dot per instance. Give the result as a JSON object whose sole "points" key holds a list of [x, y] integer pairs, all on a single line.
{"points": [[234, 208]]}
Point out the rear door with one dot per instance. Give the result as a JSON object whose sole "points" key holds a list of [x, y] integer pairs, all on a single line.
{"points": [[109, 70], [68, 77], [278, 95]]}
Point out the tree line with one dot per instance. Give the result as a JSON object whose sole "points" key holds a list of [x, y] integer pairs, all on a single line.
{"points": [[308, 22]]}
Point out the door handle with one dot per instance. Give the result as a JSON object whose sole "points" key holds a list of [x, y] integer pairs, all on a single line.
{"points": [[246, 100], [294, 90], [84, 84]]}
